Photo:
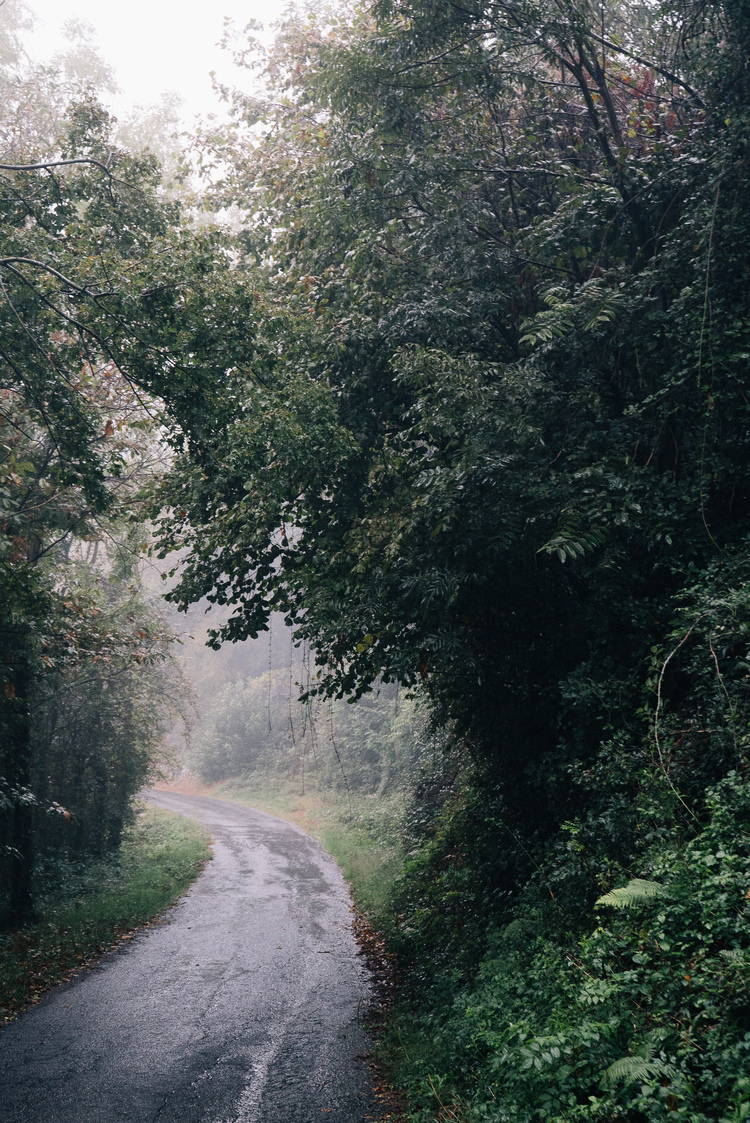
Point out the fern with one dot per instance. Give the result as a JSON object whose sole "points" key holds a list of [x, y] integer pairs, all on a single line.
{"points": [[643, 1064], [636, 892], [635, 1068]]}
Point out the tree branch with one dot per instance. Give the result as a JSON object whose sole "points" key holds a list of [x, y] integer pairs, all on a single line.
{"points": [[54, 164], [650, 64], [83, 291]]}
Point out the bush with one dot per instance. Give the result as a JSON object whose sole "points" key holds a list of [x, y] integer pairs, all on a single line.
{"points": [[646, 1017]]}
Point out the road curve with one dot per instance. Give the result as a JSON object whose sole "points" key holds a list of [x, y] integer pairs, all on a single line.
{"points": [[241, 1006]]}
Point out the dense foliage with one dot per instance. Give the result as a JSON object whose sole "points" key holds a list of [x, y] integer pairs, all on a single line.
{"points": [[494, 439], [461, 392], [105, 296]]}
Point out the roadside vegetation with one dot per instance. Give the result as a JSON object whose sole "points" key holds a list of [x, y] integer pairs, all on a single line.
{"points": [[434, 357], [88, 686], [90, 907], [502, 459], [341, 772]]}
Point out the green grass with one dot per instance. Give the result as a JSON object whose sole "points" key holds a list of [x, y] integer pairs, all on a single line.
{"points": [[363, 837], [162, 854], [368, 864]]}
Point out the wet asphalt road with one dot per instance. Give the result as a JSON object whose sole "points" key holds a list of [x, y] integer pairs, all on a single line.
{"points": [[240, 1007]]}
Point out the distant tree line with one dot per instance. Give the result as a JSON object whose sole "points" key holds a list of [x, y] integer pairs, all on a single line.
{"points": [[257, 729]]}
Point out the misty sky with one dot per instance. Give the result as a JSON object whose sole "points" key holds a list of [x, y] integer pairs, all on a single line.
{"points": [[155, 45]]}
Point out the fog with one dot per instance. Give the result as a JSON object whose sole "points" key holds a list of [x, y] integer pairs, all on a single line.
{"points": [[155, 46]]}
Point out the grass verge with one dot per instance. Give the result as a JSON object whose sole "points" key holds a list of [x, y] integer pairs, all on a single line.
{"points": [[161, 855]]}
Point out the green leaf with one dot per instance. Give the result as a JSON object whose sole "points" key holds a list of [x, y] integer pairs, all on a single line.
{"points": [[636, 892]]}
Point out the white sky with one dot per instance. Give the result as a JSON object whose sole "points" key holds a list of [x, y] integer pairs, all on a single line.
{"points": [[155, 45]]}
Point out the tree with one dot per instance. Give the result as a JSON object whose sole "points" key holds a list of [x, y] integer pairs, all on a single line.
{"points": [[473, 228], [106, 300], [498, 443]]}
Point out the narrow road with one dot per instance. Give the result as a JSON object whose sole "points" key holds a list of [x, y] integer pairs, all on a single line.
{"points": [[241, 1006]]}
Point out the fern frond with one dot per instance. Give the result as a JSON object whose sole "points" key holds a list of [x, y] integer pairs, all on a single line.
{"points": [[630, 1069], [636, 892]]}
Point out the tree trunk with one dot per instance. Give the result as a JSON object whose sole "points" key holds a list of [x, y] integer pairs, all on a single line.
{"points": [[15, 768]]}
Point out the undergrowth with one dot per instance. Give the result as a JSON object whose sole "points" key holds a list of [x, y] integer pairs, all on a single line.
{"points": [[91, 908], [635, 1011]]}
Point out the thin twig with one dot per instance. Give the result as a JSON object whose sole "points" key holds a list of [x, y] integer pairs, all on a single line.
{"points": [[662, 765]]}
